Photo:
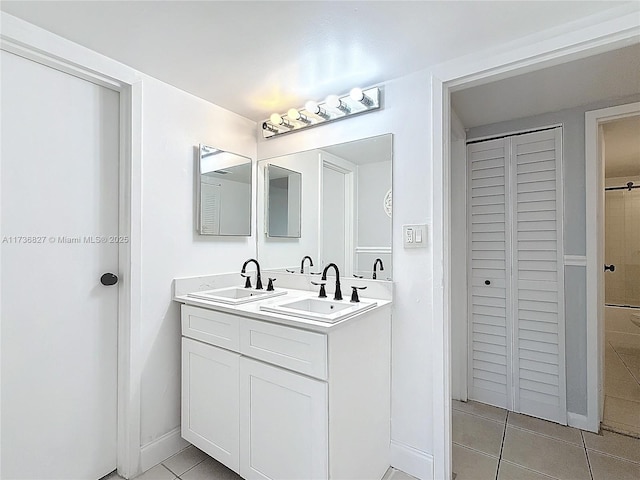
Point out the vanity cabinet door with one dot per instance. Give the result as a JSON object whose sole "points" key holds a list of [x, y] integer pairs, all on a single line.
{"points": [[210, 400], [283, 424]]}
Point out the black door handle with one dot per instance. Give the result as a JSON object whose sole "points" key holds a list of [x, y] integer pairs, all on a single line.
{"points": [[487, 282], [611, 268], [108, 279]]}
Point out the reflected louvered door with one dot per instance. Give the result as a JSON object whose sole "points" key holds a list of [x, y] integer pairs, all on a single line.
{"points": [[490, 252], [516, 304], [538, 280]]}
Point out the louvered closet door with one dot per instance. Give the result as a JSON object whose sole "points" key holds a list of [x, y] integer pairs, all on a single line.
{"points": [[538, 283], [488, 221]]}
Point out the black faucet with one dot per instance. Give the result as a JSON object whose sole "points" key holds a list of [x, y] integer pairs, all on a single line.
{"points": [[302, 263], [259, 278], [375, 264], [338, 294]]}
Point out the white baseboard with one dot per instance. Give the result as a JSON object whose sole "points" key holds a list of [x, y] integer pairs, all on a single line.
{"points": [[578, 421], [161, 448], [410, 460]]}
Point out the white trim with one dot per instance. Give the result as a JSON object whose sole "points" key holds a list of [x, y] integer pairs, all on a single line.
{"points": [[594, 188], [36, 44], [513, 133], [161, 448], [374, 250], [612, 29], [575, 260], [576, 420], [412, 461]]}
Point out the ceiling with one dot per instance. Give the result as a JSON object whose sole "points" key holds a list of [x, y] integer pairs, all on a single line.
{"points": [[605, 76], [368, 150], [257, 57], [622, 147]]}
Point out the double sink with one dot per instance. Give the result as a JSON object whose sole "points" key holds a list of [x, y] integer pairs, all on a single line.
{"points": [[318, 309]]}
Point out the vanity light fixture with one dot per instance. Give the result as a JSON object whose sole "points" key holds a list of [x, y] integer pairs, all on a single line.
{"points": [[356, 94], [335, 107], [334, 101], [279, 121], [314, 108], [294, 114]]}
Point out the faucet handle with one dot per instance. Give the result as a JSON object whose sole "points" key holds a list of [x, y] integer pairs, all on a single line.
{"points": [[323, 292], [357, 276], [270, 285], [290, 271], [247, 283], [354, 293]]}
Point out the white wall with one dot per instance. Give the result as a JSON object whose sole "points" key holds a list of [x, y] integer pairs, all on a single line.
{"points": [[405, 114], [278, 252], [174, 123]]}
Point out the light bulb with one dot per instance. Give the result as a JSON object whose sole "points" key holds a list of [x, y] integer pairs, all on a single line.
{"points": [[333, 101], [276, 119], [356, 94], [312, 107], [293, 114]]}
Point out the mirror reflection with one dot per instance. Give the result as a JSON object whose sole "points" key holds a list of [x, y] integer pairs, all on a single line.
{"points": [[283, 202], [223, 193], [345, 211]]}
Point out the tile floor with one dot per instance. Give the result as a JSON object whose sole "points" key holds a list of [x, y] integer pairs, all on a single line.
{"points": [[490, 443], [622, 384], [193, 464]]}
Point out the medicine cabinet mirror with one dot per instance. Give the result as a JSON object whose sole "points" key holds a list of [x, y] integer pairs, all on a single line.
{"points": [[345, 214], [284, 194], [223, 188]]}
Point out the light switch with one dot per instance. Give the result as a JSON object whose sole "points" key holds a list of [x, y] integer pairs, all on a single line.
{"points": [[415, 236]]}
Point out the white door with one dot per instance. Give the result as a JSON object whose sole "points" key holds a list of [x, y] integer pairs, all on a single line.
{"points": [[283, 424], [333, 218], [538, 275], [490, 265], [516, 358], [210, 401], [60, 143]]}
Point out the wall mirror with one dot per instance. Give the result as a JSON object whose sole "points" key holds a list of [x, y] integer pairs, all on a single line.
{"points": [[345, 214], [284, 195], [223, 192]]}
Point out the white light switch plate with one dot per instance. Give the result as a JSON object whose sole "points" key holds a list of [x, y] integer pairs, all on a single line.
{"points": [[414, 236]]}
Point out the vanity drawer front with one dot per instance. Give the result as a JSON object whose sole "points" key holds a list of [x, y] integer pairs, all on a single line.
{"points": [[298, 350], [215, 328]]}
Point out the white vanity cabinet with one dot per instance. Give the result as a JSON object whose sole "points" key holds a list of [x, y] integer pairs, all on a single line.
{"points": [[275, 402]]}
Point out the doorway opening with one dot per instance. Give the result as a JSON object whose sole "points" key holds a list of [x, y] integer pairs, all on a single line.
{"points": [[574, 261], [619, 319]]}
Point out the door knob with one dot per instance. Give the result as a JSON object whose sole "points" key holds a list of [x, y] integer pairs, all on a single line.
{"points": [[611, 268], [109, 279], [487, 282]]}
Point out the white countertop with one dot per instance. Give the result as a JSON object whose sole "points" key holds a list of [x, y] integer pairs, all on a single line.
{"points": [[252, 309]]}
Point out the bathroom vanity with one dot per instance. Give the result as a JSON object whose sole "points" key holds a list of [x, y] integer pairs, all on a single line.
{"points": [[278, 396]]}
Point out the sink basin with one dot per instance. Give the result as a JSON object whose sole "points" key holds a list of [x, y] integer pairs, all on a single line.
{"points": [[322, 310], [235, 295]]}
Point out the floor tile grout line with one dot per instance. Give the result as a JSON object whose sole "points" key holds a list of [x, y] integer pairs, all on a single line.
{"points": [[480, 416], [623, 363], [611, 455], [475, 450], [586, 453], [544, 434], [504, 434], [530, 469]]}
